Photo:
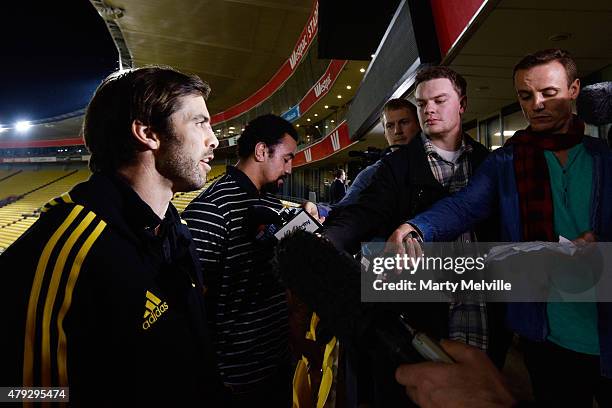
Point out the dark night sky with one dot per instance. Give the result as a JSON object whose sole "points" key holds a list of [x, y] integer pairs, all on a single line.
{"points": [[52, 57]]}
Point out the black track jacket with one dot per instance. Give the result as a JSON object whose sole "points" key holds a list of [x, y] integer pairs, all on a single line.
{"points": [[95, 300]]}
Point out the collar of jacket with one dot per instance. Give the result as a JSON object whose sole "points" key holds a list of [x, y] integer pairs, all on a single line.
{"points": [[120, 206]]}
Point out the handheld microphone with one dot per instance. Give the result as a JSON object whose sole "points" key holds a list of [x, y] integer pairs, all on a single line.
{"points": [[328, 281]]}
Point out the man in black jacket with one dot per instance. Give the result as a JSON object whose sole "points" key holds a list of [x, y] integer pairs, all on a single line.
{"points": [[104, 290], [337, 189], [438, 162]]}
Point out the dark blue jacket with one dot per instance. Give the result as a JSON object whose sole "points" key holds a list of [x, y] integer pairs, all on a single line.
{"points": [[494, 187]]}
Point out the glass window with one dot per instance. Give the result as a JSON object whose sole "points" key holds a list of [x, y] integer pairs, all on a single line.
{"points": [[471, 129], [513, 122], [494, 138], [591, 130], [482, 131]]}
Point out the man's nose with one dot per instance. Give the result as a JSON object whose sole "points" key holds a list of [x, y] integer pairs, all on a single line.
{"points": [[429, 107], [214, 142], [538, 102]]}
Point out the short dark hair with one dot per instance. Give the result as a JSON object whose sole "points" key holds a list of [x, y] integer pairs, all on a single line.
{"points": [[436, 72], [269, 129], [338, 173], [397, 104], [148, 94], [549, 55]]}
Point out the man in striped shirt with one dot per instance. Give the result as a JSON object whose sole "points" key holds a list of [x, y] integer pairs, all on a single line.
{"points": [[247, 304]]}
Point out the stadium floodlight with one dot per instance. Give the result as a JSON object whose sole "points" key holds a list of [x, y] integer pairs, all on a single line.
{"points": [[23, 125]]}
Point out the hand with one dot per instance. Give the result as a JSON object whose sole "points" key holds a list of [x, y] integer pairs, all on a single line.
{"points": [[395, 242], [587, 237], [311, 208], [401, 242], [586, 243], [473, 381]]}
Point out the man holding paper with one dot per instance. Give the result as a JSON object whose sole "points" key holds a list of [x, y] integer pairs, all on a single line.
{"points": [[549, 181]]}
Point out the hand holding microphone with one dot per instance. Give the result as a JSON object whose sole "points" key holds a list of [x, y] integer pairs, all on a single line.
{"points": [[473, 381]]}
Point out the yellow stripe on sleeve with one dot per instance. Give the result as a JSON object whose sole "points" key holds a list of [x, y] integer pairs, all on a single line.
{"points": [[62, 345], [56, 277], [30, 331]]}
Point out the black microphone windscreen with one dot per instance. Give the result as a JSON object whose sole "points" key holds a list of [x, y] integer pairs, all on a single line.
{"points": [[327, 280], [594, 104]]}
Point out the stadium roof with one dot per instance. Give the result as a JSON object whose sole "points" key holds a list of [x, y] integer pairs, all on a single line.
{"points": [[58, 52]]}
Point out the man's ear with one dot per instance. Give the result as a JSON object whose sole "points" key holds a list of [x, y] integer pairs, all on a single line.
{"points": [[463, 104], [146, 138], [260, 151], [574, 89]]}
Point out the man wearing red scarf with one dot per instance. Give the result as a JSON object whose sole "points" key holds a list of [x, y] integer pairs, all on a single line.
{"points": [[548, 181]]}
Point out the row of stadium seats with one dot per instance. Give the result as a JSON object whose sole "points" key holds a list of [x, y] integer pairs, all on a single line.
{"points": [[39, 187], [35, 188], [4, 174]]}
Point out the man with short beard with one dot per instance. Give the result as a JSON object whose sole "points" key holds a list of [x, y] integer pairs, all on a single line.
{"points": [[247, 304], [103, 294]]}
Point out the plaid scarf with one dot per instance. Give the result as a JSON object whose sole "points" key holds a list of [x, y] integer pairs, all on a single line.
{"points": [[532, 178]]}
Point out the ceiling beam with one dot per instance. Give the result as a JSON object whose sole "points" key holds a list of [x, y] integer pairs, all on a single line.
{"points": [[183, 40], [193, 70], [270, 4]]}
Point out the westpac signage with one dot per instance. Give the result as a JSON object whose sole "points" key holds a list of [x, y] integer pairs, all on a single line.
{"points": [[323, 85], [306, 38]]}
